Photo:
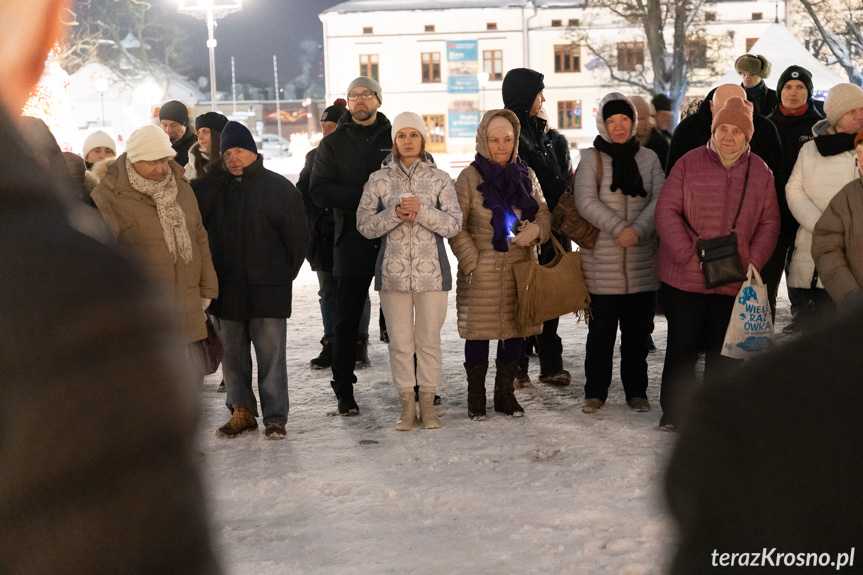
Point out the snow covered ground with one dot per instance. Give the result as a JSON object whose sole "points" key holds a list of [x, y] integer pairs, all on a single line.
{"points": [[556, 491]]}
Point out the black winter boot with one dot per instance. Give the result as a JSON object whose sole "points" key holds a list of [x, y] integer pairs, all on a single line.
{"points": [[345, 396], [325, 358], [504, 392], [476, 391], [522, 379], [362, 358]]}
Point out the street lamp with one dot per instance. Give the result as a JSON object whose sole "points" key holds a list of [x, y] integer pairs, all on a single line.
{"points": [[210, 10]]}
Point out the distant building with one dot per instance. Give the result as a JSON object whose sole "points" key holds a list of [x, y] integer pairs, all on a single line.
{"points": [[446, 59]]}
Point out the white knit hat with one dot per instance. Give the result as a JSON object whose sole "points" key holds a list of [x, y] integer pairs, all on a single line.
{"points": [[841, 99], [149, 143], [409, 120], [96, 140]]}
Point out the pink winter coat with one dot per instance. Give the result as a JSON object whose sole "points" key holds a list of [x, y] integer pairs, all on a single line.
{"points": [[708, 194]]}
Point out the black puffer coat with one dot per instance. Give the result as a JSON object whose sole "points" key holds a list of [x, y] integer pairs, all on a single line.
{"points": [[320, 220], [258, 239], [182, 146], [343, 163]]}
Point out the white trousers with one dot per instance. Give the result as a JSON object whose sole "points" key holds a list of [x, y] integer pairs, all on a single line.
{"points": [[414, 322]]}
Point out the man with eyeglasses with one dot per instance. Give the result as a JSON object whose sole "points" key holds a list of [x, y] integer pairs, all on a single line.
{"points": [[344, 161]]}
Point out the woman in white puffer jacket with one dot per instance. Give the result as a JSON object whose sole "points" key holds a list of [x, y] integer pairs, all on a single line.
{"points": [[413, 206], [825, 165]]}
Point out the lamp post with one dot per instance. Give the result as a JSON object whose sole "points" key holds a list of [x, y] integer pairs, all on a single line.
{"points": [[210, 10]]}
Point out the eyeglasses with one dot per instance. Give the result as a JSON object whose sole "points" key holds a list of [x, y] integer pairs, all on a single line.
{"points": [[364, 96]]}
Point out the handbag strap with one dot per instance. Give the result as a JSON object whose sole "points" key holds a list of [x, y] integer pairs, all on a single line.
{"points": [[739, 206], [598, 169]]}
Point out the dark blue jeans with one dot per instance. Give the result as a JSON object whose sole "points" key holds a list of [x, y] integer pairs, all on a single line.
{"points": [[634, 314], [327, 295], [267, 334]]}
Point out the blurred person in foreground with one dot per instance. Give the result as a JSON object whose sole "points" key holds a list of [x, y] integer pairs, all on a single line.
{"points": [[90, 481]]}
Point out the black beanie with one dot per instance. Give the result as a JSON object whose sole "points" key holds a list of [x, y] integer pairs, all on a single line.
{"points": [[661, 103], [613, 107], [175, 112], [212, 120], [335, 112], [794, 73], [236, 135]]}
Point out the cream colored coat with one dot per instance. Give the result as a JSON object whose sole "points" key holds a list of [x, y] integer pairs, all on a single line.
{"points": [[131, 217], [485, 281]]}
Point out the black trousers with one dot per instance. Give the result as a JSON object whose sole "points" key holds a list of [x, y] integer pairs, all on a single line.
{"points": [[771, 273], [696, 321], [351, 295], [634, 314]]}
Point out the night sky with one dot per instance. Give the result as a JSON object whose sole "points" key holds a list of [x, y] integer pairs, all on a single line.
{"points": [[253, 36]]}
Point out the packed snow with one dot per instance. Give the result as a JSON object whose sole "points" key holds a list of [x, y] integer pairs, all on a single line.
{"points": [[556, 491]]}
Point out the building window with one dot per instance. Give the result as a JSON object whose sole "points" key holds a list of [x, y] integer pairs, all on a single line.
{"points": [[573, 22], [696, 52], [630, 56], [491, 25], [557, 23], [710, 16], [369, 66], [429, 28], [749, 43], [492, 64], [431, 67], [368, 30], [567, 58], [569, 115], [757, 15]]}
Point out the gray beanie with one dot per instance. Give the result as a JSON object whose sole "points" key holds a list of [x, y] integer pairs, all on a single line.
{"points": [[366, 82]]}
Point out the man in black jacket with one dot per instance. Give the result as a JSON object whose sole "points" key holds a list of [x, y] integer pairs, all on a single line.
{"points": [[794, 118], [522, 93], [99, 404], [258, 237], [344, 161], [174, 120]]}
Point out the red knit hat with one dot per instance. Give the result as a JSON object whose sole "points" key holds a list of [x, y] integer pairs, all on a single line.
{"points": [[737, 112]]}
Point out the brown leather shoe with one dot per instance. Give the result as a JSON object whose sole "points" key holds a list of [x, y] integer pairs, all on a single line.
{"points": [[275, 431], [241, 421]]}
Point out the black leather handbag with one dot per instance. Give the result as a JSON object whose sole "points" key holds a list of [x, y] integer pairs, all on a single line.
{"points": [[720, 260]]}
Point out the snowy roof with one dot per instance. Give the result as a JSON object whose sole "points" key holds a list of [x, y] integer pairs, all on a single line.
{"points": [[398, 5], [779, 46]]}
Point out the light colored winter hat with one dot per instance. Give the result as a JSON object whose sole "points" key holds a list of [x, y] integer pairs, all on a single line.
{"points": [[500, 123], [409, 120], [736, 112], [841, 99], [366, 82], [149, 143], [96, 140], [758, 65]]}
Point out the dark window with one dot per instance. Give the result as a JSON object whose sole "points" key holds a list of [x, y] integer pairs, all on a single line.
{"points": [[757, 15], [567, 58], [557, 23], [569, 115], [630, 55], [368, 30], [696, 52], [492, 64], [491, 26], [369, 66], [431, 67], [573, 22], [710, 16], [429, 28]]}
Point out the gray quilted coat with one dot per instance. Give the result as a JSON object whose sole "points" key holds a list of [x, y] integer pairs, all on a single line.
{"points": [[412, 257], [485, 283], [607, 268]]}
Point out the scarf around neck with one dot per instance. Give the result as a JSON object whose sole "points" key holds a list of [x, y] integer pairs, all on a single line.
{"points": [[171, 215], [504, 188], [624, 169], [834, 144], [727, 160]]}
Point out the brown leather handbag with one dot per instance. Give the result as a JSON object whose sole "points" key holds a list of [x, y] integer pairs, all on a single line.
{"points": [[565, 218]]}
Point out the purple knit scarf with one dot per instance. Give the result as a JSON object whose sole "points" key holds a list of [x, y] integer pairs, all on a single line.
{"points": [[504, 188]]}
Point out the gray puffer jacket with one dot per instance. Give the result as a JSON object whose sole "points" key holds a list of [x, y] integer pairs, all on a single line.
{"points": [[412, 256], [609, 269]]}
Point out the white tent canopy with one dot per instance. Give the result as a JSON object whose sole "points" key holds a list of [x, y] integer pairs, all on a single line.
{"points": [[778, 45]]}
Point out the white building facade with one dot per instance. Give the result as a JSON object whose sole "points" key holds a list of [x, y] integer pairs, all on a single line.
{"points": [[446, 59]]}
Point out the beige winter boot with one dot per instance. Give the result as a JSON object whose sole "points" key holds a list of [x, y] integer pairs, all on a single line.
{"points": [[408, 401], [427, 411]]}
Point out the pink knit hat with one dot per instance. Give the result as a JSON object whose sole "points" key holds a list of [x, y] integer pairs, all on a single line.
{"points": [[737, 112]]}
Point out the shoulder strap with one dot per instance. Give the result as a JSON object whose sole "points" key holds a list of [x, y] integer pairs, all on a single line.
{"points": [[742, 195], [598, 168]]}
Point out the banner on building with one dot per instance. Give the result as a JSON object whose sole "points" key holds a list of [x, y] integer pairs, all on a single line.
{"points": [[463, 113]]}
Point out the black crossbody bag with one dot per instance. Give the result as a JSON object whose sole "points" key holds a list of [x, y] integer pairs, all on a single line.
{"points": [[720, 260]]}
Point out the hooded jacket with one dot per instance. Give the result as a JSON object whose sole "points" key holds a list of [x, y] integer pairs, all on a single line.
{"points": [[258, 237], [694, 132], [813, 183], [132, 218], [343, 163], [706, 193], [609, 269], [412, 256], [485, 282], [534, 145]]}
